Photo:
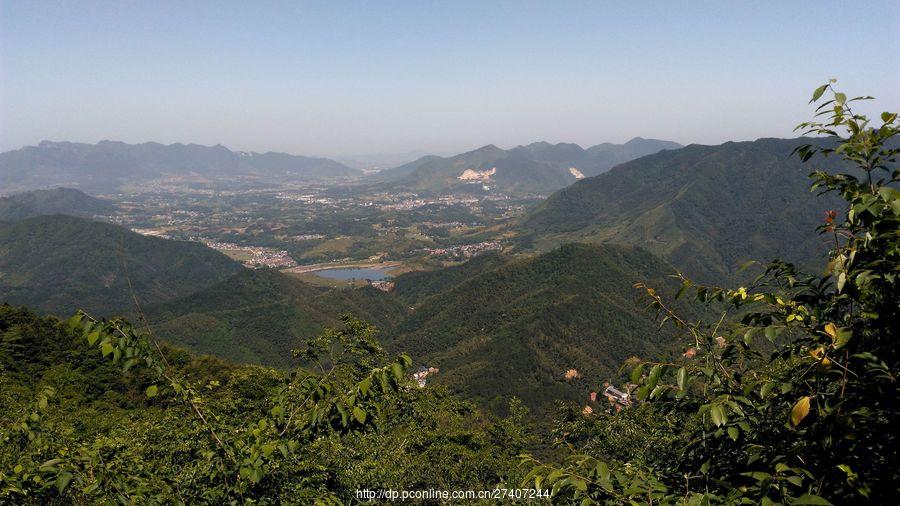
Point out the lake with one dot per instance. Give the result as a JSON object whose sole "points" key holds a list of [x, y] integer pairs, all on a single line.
{"points": [[375, 274]]}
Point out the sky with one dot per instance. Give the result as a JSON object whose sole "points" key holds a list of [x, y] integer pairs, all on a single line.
{"points": [[334, 78]]}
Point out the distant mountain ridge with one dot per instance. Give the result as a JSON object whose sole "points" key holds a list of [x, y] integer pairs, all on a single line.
{"points": [[108, 165], [534, 168], [704, 209], [70, 201]]}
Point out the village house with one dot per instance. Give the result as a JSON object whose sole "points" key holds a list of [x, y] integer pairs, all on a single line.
{"points": [[617, 398], [421, 376]]}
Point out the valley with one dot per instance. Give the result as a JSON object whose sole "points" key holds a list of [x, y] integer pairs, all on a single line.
{"points": [[521, 315], [449, 253], [490, 287]]}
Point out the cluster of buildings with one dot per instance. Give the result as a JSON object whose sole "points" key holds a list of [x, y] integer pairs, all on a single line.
{"points": [[466, 250], [421, 376], [384, 285], [258, 256], [406, 205], [617, 399], [306, 237], [151, 232], [308, 198]]}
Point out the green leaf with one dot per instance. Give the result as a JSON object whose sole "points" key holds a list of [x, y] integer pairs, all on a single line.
{"points": [[52, 463], [842, 338], [717, 415], [75, 321], [840, 98], [733, 433], [397, 369], [681, 376], [810, 499], [359, 414], [106, 349], [746, 265], [636, 374], [603, 471], [653, 377], [817, 94], [62, 481], [92, 337], [365, 385], [151, 391]]}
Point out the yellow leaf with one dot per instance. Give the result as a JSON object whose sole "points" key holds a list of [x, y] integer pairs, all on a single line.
{"points": [[819, 354], [799, 411], [832, 330]]}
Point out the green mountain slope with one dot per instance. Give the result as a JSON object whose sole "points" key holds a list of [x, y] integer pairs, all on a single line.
{"points": [[537, 167], [56, 201], [516, 328], [705, 209], [158, 449], [62, 263], [259, 316], [496, 326]]}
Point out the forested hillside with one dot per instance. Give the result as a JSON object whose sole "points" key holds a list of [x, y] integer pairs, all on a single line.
{"points": [[62, 263], [259, 316], [807, 417], [56, 201], [75, 427], [515, 328], [705, 209], [537, 167]]}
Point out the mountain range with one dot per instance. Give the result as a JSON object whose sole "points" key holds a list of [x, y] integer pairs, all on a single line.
{"points": [[110, 166], [704, 209], [536, 168], [499, 325]]}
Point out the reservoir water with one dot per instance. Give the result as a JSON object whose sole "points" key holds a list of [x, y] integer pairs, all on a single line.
{"points": [[375, 274]]}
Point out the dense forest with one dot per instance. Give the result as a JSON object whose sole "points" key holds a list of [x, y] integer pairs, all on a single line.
{"points": [[780, 391], [705, 209], [38, 259]]}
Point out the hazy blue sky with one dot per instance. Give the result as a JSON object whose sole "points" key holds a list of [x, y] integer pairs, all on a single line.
{"points": [[335, 77]]}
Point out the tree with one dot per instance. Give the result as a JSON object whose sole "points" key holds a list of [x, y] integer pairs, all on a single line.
{"points": [[792, 395], [232, 447]]}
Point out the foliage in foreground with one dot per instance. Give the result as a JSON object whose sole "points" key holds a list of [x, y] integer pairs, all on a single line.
{"points": [[792, 396], [91, 411]]}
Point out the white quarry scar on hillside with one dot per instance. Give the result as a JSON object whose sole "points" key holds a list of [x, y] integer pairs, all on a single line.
{"points": [[575, 172], [477, 175]]}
